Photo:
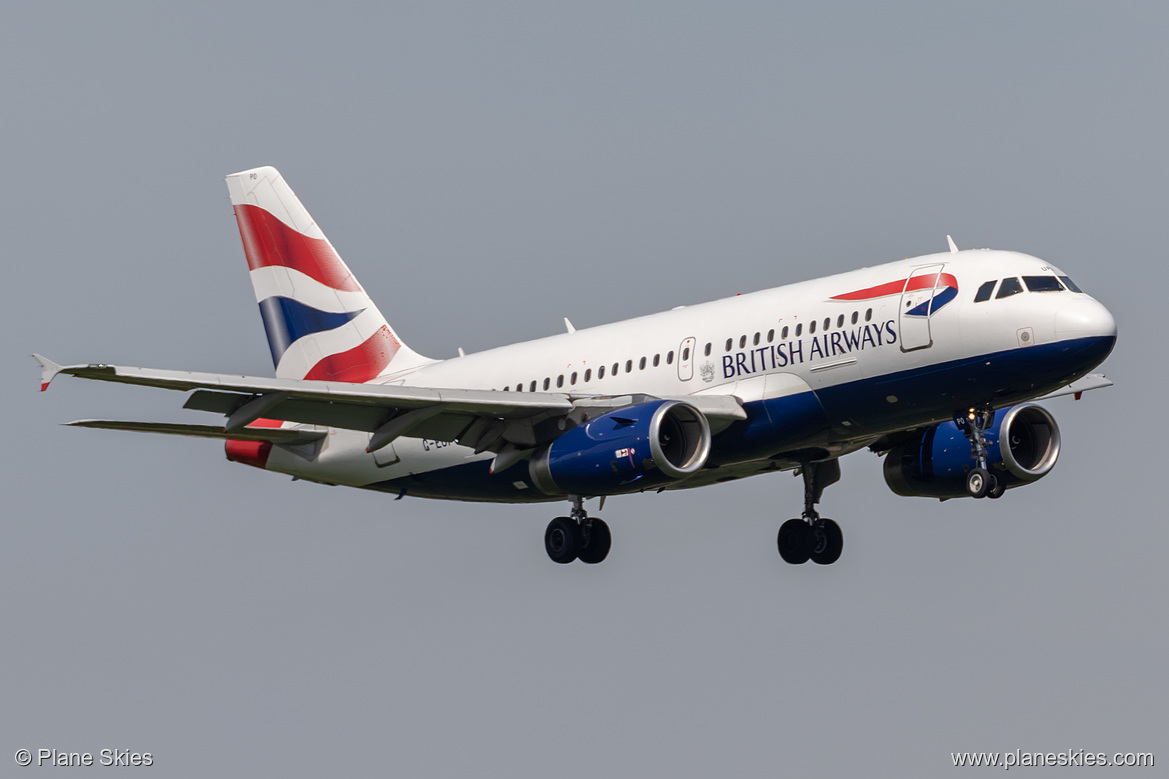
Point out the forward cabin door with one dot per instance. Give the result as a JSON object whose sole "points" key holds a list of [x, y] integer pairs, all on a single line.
{"points": [[686, 360], [914, 312]]}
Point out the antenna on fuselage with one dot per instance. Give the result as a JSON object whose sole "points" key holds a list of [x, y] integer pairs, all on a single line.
{"points": [[953, 246]]}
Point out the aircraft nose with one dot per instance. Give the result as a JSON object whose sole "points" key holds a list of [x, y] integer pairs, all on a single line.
{"points": [[1085, 318]]}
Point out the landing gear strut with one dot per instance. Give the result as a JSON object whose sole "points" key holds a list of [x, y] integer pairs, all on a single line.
{"points": [[813, 537], [980, 482], [577, 537]]}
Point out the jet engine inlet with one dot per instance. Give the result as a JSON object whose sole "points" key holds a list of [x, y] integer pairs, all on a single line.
{"points": [[627, 450]]}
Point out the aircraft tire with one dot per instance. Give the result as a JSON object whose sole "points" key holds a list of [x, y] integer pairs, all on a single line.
{"points": [[562, 540], [795, 541], [828, 542], [978, 482], [600, 539], [997, 487]]}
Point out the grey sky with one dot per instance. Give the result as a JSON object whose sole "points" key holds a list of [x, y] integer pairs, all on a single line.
{"points": [[485, 171]]}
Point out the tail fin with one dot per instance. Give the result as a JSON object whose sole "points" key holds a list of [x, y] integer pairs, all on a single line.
{"points": [[320, 323]]}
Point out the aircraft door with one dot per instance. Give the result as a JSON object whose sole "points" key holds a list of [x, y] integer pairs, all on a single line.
{"points": [[686, 360], [916, 304]]}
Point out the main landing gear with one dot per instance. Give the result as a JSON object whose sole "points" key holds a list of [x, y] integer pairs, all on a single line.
{"points": [[577, 537], [813, 537], [980, 481]]}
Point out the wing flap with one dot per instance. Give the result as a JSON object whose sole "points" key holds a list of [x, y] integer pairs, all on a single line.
{"points": [[308, 411]]}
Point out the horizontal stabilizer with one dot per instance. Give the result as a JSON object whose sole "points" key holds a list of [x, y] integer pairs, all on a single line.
{"points": [[273, 435]]}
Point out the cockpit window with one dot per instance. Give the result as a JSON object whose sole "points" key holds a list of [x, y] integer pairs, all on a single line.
{"points": [[1070, 284], [1043, 283], [1009, 287], [984, 291]]}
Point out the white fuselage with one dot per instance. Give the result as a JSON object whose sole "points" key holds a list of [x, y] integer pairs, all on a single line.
{"points": [[851, 342]]}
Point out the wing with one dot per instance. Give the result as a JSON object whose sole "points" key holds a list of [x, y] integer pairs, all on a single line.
{"points": [[486, 420]]}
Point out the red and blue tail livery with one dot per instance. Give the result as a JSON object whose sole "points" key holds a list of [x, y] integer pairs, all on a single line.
{"points": [[785, 379], [320, 323]]}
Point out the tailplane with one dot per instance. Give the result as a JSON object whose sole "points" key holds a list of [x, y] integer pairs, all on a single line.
{"points": [[320, 322]]}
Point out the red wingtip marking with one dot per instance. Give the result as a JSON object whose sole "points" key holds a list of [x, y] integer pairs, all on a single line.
{"points": [[44, 386], [361, 363], [268, 241]]}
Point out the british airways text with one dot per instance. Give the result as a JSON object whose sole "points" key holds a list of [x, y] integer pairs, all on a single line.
{"points": [[781, 355]]}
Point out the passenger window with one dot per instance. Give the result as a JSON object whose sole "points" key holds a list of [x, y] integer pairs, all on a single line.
{"points": [[708, 349], [1067, 282], [670, 357], [601, 372], [770, 336], [547, 383], [572, 379], [686, 354], [730, 343], [505, 389], [800, 329], [742, 342], [533, 389], [827, 323], [756, 341], [812, 326], [588, 375], [869, 315], [560, 381], [641, 364], [615, 367], [783, 333], [657, 359], [1043, 283], [1009, 287], [984, 292], [629, 365], [855, 316]]}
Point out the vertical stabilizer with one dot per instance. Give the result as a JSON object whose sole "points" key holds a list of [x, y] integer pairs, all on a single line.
{"points": [[319, 321]]}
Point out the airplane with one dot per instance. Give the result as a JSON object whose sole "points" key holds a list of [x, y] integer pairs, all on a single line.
{"points": [[932, 362]]}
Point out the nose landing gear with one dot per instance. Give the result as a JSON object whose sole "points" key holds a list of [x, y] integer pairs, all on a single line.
{"points": [[812, 537], [980, 481], [577, 537]]}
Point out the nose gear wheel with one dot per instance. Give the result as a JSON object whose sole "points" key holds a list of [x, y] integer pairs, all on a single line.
{"points": [[980, 482]]}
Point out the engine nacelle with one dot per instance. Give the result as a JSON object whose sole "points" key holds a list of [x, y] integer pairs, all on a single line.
{"points": [[627, 450], [935, 464]]}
